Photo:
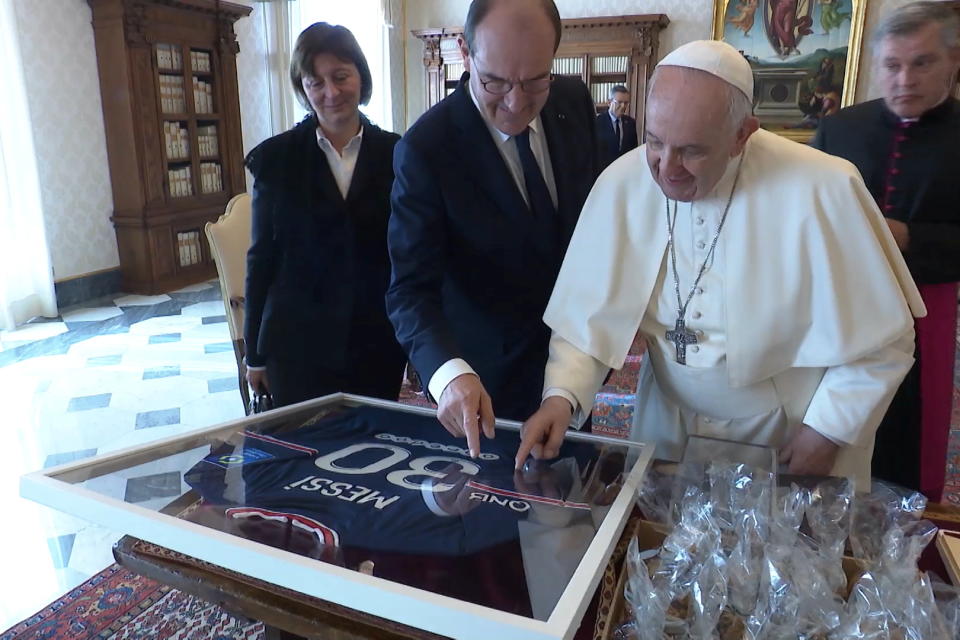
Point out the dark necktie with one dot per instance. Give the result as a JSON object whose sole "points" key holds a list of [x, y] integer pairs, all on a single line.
{"points": [[616, 130], [540, 202]]}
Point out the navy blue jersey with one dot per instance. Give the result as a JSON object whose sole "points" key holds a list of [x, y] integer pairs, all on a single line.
{"points": [[390, 481]]}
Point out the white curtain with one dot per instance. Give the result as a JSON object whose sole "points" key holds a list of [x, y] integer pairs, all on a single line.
{"points": [[26, 279], [278, 25]]}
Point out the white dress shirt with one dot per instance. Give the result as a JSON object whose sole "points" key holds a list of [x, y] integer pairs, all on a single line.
{"points": [[342, 166], [505, 144]]}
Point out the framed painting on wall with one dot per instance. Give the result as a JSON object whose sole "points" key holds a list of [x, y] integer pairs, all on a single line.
{"points": [[805, 56]]}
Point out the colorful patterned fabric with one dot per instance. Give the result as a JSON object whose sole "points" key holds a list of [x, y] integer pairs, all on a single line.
{"points": [[117, 604]]}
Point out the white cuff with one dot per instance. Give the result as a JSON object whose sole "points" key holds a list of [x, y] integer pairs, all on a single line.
{"points": [[262, 367], [576, 418], [445, 374]]}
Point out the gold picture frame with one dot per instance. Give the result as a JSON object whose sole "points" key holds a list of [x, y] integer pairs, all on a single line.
{"points": [[805, 56]]}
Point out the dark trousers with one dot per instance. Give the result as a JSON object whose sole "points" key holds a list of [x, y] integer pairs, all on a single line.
{"points": [[372, 369], [896, 454]]}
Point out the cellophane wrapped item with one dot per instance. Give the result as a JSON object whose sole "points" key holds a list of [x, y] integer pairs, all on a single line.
{"points": [[748, 560], [875, 513], [646, 603], [656, 496]]}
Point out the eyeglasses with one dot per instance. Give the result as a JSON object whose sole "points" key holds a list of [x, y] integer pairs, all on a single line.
{"points": [[503, 87]]}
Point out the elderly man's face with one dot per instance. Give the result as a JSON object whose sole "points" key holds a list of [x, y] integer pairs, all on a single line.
{"points": [[513, 44], [916, 70], [689, 140]]}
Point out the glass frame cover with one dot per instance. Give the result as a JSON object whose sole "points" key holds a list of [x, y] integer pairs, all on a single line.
{"points": [[62, 488]]}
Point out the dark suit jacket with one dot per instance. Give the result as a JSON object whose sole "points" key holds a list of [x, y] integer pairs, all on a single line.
{"points": [[472, 269], [318, 267], [610, 147]]}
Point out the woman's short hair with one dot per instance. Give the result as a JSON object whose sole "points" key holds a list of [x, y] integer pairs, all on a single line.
{"points": [[338, 41]]}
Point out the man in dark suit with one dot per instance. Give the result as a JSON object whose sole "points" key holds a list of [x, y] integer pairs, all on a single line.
{"points": [[616, 131], [489, 185]]}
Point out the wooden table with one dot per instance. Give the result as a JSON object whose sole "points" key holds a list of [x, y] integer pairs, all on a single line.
{"points": [[289, 615], [285, 614]]}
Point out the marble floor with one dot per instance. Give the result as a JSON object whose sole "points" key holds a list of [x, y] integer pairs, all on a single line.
{"points": [[103, 376]]}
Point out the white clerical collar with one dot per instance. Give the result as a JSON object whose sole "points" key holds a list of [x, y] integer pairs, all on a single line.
{"points": [[498, 135]]}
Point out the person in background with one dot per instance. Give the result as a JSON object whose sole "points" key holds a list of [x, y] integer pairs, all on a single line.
{"points": [[907, 147], [318, 267], [775, 305], [616, 131], [490, 182]]}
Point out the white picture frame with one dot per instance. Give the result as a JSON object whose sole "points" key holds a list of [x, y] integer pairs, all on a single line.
{"points": [[60, 488]]}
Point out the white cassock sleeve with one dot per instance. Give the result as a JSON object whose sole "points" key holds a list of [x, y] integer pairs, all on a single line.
{"points": [[852, 398], [574, 375]]}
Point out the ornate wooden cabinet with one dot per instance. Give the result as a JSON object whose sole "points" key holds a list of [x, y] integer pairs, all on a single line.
{"points": [[168, 80], [600, 51]]}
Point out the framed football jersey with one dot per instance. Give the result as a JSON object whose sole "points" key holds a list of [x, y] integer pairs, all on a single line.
{"points": [[374, 506]]}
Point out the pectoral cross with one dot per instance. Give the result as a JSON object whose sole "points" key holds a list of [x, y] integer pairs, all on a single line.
{"points": [[680, 336]]}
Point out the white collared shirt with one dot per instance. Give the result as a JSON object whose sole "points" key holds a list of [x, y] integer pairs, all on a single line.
{"points": [[341, 166], [508, 150]]}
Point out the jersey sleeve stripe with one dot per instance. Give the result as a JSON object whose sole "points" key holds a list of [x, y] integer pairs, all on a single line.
{"points": [[527, 496], [279, 442]]}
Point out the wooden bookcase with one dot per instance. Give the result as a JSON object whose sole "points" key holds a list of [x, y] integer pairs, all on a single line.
{"points": [[600, 51], [168, 80]]}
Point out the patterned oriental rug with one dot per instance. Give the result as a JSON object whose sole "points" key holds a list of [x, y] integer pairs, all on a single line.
{"points": [[117, 604]]}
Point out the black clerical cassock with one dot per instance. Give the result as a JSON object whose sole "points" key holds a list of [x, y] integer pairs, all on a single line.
{"points": [[911, 168]]}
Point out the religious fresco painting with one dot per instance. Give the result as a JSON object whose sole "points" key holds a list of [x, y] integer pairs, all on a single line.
{"points": [[804, 54]]}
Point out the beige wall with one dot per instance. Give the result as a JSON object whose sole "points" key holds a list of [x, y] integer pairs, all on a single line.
{"points": [[63, 94], [689, 20], [253, 79]]}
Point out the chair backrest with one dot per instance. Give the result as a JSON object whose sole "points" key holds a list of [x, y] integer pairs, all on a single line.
{"points": [[229, 239]]}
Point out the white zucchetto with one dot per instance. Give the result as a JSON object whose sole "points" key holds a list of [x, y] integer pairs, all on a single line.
{"points": [[716, 58]]}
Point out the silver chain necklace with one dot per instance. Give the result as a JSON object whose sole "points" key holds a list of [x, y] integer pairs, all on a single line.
{"points": [[680, 336]]}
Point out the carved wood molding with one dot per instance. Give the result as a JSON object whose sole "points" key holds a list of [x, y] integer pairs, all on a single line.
{"points": [[134, 23], [227, 10], [431, 51]]}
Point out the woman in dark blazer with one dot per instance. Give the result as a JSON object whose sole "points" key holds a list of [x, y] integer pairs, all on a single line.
{"points": [[317, 267]]}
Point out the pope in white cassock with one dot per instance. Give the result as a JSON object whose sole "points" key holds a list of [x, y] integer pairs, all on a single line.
{"points": [[775, 304]]}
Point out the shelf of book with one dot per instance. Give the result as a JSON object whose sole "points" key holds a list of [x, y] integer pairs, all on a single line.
{"points": [[172, 117]]}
